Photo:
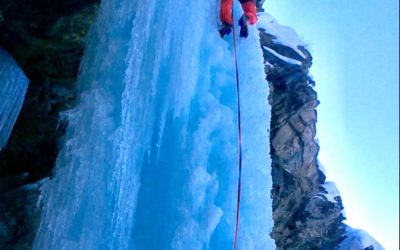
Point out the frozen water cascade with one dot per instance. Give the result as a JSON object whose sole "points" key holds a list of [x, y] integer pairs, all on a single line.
{"points": [[13, 86], [150, 157]]}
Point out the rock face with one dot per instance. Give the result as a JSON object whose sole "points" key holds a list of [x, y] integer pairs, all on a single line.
{"points": [[307, 211], [304, 217]]}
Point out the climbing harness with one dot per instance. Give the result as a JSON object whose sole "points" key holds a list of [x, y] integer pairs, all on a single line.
{"points": [[239, 187]]}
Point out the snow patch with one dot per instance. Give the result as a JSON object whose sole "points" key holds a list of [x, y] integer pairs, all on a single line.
{"points": [[331, 190], [268, 64], [359, 239], [283, 35], [283, 58]]}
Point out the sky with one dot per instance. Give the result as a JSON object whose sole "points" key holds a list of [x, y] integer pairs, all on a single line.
{"points": [[355, 46]]}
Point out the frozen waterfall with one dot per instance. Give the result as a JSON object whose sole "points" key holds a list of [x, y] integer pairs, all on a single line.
{"points": [[149, 161], [13, 86]]}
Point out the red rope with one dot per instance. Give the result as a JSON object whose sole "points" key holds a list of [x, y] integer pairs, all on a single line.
{"points": [[239, 139]]}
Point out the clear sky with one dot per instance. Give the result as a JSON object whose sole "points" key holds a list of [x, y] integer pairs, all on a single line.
{"points": [[356, 67]]}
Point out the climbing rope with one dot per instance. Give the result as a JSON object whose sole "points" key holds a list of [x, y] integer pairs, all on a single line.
{"points": [[239, 186]]}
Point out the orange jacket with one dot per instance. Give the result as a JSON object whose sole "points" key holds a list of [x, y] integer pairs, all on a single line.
{"points": [[248, 6]]}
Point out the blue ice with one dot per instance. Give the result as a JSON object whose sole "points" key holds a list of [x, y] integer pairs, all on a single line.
{"points": [[13, 86], [150, 156]]}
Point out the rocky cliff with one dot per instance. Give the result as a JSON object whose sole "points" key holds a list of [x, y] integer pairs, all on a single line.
{"points": [[304, 217], [46, 38], [307, 210]]}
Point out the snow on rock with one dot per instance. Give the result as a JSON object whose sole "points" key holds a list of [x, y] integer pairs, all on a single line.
{"points": [[357, 239], [331, 191], [283, 58], [283, 35], [332, 194]]}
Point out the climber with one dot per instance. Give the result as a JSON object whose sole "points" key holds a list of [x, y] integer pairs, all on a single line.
{"points": [[249, 16]]}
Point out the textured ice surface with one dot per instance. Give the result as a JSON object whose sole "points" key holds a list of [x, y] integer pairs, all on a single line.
{"points": [[150, 156], [13, 86]]}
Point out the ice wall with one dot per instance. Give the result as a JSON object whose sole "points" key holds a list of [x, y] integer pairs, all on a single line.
{"points": [[150, 156], [13, 86]]}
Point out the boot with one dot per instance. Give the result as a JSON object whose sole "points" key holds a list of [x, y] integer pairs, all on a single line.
{"points": [[225, 29], [244, 30]]}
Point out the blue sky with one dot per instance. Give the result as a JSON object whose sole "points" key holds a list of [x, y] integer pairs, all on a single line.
{"points": [[355, 48]]}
